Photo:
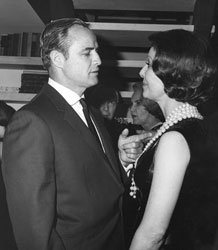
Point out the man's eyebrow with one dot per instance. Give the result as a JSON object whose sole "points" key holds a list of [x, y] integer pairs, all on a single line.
{"points": [[88, 48]]}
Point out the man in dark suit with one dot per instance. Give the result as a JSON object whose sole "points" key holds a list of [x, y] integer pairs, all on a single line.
{"points": [[7, 241], [64, 188]]}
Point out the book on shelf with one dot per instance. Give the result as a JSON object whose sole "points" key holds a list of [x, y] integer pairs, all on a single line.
{"points": [[15, 43], [35, 49], [9, 45], [35, 72], [1, 51], [4, 44], [20, 44], [29, 43], [24, 44], [33, 80]]}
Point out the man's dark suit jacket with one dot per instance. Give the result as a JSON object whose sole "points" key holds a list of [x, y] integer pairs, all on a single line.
{"points": [[62, 190], [7, 241]]}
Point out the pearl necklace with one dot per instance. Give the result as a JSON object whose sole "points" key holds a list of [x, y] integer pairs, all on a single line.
{"points": [[182, 112]]}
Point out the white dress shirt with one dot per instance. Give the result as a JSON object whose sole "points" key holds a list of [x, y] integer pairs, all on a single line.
{"points": [[70, 96], [74, 101]]}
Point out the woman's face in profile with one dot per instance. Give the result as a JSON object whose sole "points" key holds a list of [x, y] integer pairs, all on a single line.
{"points": [[152, 85]]}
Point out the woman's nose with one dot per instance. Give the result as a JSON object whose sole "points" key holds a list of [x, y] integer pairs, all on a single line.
{"points": [[142, 72]]}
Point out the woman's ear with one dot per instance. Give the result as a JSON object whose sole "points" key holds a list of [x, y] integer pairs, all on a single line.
{"points": [[57, 58]]}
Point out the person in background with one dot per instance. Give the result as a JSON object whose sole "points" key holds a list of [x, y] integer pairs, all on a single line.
{"points": [[6, 113], [107, 101], [63, 180], [177, 190], [7, 241], [146, 116], [144, 112]]}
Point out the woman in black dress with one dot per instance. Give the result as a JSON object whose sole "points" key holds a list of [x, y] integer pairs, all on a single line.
{"points": [[176, 188]]}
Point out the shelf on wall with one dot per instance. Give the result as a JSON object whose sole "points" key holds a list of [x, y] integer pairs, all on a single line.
{"points": [[16, 97], [131, 35], [20, 62], [36, 61], [139, 5], [131, 27], [26, 97]]}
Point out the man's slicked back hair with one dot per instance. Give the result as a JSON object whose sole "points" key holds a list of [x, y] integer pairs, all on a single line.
{"points": [[54, 37]]}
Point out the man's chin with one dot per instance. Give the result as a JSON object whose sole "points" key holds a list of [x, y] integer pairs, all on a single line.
{"points": [[93, 83]]}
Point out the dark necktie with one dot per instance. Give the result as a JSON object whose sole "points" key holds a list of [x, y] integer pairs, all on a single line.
{"points": [[88, 119]]}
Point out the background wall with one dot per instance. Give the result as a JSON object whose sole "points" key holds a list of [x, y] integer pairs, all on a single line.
{"points": [[18, 16]]}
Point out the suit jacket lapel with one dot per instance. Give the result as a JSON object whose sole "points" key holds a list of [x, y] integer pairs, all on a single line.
{"points": [[77, 124], [106, 140]]}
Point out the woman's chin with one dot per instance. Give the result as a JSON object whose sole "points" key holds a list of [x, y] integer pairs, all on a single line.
{"points": [[145, 94]]}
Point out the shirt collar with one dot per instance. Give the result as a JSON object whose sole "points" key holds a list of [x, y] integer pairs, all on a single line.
{"points": [[70, 96]]}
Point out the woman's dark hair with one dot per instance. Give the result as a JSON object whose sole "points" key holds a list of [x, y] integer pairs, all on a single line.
{"points": [[6, 113], [54, 37], [185, 63]]}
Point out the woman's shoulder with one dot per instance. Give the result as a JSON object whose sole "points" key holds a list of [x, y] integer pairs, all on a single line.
{"points": [[172, 138], [173, 144]]}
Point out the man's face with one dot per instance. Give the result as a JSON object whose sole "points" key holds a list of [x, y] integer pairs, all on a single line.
{"points": [[81, 68]]}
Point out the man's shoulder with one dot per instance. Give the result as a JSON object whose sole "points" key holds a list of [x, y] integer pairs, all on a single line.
{"points": [[47, 97], [40, 106], [37, 103]]}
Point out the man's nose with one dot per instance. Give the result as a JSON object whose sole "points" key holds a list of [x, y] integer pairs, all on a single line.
{"points": [[97, 58]]}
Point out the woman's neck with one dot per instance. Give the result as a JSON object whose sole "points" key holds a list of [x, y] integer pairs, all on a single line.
{"points": [[168, 106]]}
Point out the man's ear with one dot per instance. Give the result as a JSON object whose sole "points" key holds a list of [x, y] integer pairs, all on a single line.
{"points": [[57, 58]]}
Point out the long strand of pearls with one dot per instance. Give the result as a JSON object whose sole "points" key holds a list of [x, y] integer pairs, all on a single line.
{"points": [[180, 113]]}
